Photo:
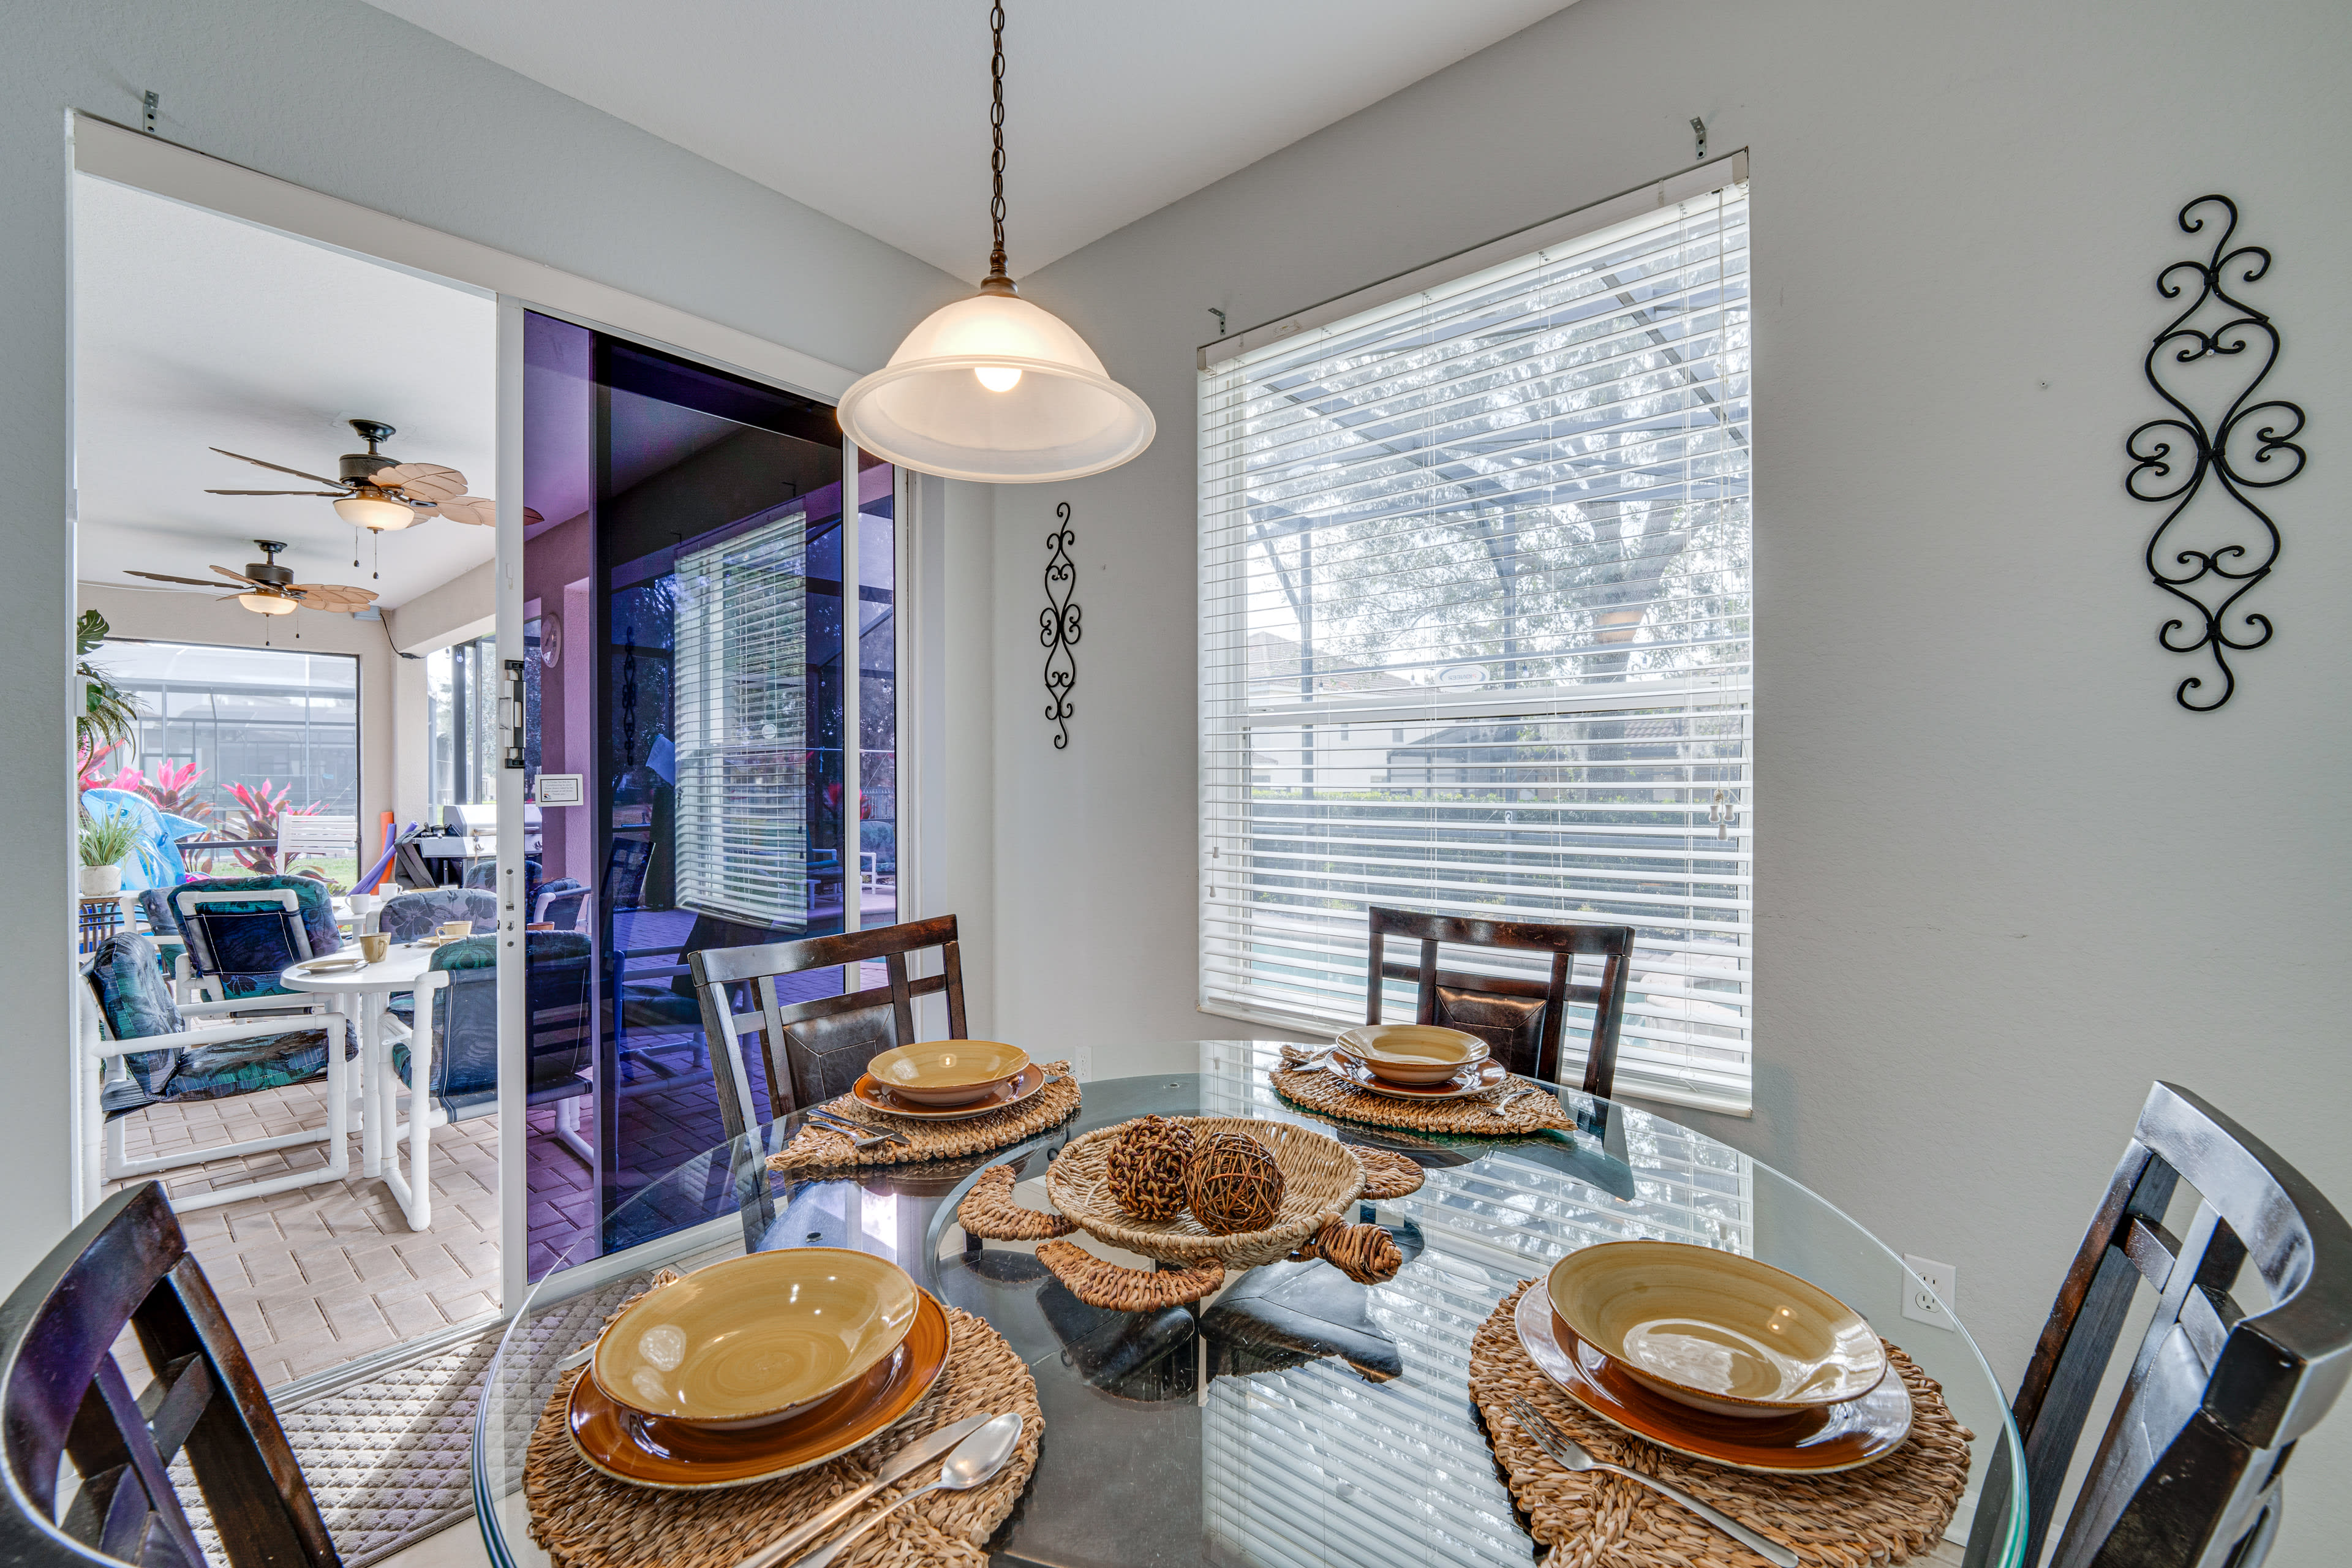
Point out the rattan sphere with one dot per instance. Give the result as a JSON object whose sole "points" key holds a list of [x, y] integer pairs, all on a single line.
{"points": [[1233, 1184], [1146, 1166]]}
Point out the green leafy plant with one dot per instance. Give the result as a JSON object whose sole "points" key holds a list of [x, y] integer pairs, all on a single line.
{"points": [[110, 714], [105, 841]]}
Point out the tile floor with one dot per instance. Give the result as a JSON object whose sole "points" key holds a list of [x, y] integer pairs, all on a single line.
{"points": [[320, 1275]]}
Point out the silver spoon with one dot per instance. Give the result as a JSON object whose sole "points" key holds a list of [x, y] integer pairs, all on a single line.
{"points": [[974, 1463]]}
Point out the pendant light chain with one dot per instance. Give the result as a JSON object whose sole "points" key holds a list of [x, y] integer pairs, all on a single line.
{"points": [[996, 127]]}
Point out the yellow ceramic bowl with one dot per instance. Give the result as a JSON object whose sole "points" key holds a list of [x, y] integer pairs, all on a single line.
{"points": [[1412, 1053], [947, 1072], [755, 1339], [1716, 1330]]}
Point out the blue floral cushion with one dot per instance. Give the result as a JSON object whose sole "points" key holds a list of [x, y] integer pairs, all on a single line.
{"points": [[248, 946], [135, 1002], [243, 1067], [407, 916]]}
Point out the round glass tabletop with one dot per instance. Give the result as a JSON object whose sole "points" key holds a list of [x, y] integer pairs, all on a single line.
{"points": [[1300, 1419]]}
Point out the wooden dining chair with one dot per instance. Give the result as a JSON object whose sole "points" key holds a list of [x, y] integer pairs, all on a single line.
{"points": [[2189, 1471], [66, 1402], [1520, 1019], [815, 1050]]}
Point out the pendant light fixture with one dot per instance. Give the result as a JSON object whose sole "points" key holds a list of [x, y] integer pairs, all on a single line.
{"points": [[991, 387]]}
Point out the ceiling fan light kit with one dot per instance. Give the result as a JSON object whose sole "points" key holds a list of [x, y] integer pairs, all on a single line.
{"points": [[994, 388], [269, 604], [366, 510]]}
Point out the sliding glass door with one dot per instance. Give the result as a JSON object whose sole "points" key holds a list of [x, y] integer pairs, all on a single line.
{"points": [[688, 687]]}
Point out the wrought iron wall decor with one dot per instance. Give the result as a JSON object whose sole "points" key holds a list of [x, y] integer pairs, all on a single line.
{"points": [[2211, 562], [1058, 626]]}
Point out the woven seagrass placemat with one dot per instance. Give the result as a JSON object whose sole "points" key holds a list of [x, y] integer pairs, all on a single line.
{"points": [[1329, 1094], [585, 1520], [816, 1147], [1883, 1513]]}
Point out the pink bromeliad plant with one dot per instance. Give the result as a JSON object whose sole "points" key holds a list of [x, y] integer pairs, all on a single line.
{"points": [[257, 817], [95, 774], [173, 789]]}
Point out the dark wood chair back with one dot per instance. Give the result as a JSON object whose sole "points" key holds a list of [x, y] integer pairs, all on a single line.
{"points": [[63, 1396], [816, 1049], [1521, 1020], [2188, 1473]]}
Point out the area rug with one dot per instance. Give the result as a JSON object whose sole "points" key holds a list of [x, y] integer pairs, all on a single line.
{"points": [[388, 1457]]}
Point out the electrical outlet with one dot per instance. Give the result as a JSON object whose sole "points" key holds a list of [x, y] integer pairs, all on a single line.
{"points": [[1935, 1295], [1082, 1064]]}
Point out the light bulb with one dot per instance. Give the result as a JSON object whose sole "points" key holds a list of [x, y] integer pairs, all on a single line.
{"points": [[267, 603], [998, 377], [370, 511]]}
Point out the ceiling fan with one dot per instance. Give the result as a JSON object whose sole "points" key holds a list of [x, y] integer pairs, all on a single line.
{"points": [[270, 589], [377, 494]]}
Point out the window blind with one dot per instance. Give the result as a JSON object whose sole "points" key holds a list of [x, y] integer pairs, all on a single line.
{"points": [[741, 689], [1474, 631]]}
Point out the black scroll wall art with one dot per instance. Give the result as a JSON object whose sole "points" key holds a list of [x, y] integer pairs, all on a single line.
{"points": [[2209, 363], [1058, 626]]}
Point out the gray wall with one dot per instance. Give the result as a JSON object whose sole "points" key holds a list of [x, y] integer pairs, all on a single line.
{"points": [[344, 99], [2004, 883]]}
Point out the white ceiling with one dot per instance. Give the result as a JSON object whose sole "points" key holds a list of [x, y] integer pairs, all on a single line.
{"points": [[875, 111], [194, 331]]}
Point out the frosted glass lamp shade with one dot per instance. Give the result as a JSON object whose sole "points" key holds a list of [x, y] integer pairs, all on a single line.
{"points": [[267, 603], [994, 389], [367, 511]]}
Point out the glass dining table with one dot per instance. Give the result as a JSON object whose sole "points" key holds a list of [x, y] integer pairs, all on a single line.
{"points": [[1297, 1418]]}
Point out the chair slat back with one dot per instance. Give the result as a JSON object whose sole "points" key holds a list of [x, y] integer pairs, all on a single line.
{"points": [[2188, 1472], [242, 937], [63, 1396], [1521, 1019], [814, 1049]]}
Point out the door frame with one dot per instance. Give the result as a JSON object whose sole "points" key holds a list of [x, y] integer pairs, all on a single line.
{"points": [[112, 152]]}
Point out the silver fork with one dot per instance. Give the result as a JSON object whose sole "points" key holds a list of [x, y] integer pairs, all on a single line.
{"points": [[1565, 1452], [860, 1136]]}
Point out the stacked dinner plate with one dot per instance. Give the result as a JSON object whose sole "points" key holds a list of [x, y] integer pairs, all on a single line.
{"points": [[1717, 1356], [1416, 1061], [756, 1368], [947, 1081]]}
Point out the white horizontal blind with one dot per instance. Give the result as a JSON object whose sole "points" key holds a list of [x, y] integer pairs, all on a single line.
{"points": [[1474, 615], [740, 687]]}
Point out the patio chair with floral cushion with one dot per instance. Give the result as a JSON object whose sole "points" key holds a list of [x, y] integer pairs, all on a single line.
{"points": [[456, 1041], [140, 1047], [241, 932]]}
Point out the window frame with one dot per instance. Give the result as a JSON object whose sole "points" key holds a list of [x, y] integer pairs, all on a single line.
{"points": [[1227, 713]]}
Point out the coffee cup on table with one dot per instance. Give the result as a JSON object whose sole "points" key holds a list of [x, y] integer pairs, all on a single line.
{"points": [[373, 945], [451, 931]]}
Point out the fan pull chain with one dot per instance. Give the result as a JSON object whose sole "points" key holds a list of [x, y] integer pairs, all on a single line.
{"points": [[355, 547], [376, 571]]}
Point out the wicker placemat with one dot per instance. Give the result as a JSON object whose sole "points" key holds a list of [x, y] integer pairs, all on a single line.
{"points": [[584, 1520], [816, 1147], [1883, 1513], [1331, 1095]]}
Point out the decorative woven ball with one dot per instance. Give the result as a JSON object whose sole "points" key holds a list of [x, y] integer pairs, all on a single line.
{"points": [[1145, 1168], [1233, 1184]]}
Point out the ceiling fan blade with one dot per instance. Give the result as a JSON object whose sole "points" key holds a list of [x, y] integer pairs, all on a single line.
{"points": [[278, 467], [480, 510], [167, 577], [428, 482], [331, 495], [335, 596], [235, 577]]}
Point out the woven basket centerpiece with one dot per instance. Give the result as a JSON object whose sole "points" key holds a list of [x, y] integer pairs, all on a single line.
{"points": [[1146, 1166], [1319, 1178]]}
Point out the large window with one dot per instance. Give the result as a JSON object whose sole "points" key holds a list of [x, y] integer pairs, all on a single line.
{"points": [[461, 692], [1475, 622], [236, 737]]}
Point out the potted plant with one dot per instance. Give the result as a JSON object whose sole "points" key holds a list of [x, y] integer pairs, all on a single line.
{"points": [[110, 714], [105, 841]]}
